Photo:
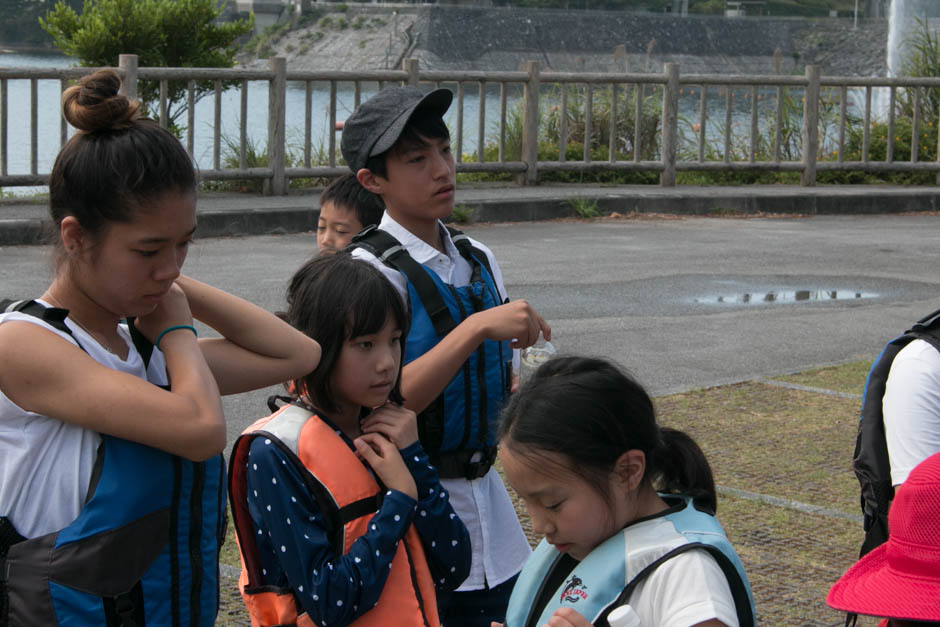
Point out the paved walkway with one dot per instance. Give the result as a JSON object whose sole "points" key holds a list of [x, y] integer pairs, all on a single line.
{"points": [[246, 214]]}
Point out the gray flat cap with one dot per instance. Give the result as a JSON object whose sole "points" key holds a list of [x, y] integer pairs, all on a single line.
{"points": [[376, 125]]}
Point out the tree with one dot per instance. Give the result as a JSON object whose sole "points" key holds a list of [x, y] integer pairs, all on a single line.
{"points": [[162, 33]]}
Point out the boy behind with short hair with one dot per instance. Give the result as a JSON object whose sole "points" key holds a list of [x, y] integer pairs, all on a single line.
{"points": [[346, 208], [463, 329]]}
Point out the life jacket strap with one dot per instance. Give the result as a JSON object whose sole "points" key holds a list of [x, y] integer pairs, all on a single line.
{"points": [[126, 610], [463, 464], [55, 317], [390, 251]]}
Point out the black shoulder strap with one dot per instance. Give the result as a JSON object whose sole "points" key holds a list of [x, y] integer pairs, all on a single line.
{"points": [[8, 304], [468, 251], [390, 251], [928, 329], [141, 343], [742, 605], [53, 316]]}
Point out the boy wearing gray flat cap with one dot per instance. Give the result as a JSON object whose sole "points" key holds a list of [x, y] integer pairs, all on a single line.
{"points": [[459, 351]]}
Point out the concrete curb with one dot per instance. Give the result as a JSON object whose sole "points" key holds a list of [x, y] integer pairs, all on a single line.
{"points": [[231, 215]]}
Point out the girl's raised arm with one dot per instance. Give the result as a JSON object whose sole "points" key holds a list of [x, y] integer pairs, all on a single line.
{"points": [[257, 349], [43, 373]]}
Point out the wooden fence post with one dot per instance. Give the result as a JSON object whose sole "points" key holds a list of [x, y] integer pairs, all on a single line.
{"points": [[411, 66], [670, 125], [530, 125], [277, 95], [128, 63], [810, 126]]}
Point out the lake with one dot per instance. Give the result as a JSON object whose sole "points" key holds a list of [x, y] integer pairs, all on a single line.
{"points": [[49, 111]]}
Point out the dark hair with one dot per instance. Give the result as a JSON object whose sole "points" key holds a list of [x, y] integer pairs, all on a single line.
{"points": [[117, 162], [590, 412], [348, 193], [415, 135], [332, 298]]}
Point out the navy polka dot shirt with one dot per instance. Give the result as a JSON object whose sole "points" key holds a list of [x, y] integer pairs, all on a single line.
{"points": [[296, 552]]}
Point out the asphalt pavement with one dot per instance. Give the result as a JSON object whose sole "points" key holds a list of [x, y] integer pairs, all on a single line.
{"points": [[682, 302]]}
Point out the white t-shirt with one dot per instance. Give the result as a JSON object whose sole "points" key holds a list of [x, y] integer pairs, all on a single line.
{"points": [[500, 548], [46, 464], [911, 407], [687, 589]]}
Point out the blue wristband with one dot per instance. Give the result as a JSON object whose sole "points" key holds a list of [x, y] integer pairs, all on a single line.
{"points": [[174, 328]]}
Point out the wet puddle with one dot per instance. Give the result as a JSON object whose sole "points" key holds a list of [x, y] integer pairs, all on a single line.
{"points": [[784, 296]]}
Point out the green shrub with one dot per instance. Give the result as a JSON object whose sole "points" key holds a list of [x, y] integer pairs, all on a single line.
{"points": [[462, 214], [584, 207]]}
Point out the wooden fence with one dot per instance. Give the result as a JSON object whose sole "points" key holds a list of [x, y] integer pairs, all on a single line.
{"points": [[644, 129]]}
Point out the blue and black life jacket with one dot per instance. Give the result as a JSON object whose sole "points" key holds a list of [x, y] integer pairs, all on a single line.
{"points": [[870, 460], [143, 550], [607, 577], [458, 429]]}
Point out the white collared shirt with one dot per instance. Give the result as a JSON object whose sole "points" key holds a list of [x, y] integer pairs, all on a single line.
{"points": [[911, 407], [499, 545]]}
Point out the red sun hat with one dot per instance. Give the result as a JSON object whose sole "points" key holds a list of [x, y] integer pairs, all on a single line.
{"points": [[901, 578]]}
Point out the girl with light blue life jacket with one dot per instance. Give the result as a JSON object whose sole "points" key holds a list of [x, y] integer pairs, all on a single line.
{"points": [[626, 507], [112, 485]]}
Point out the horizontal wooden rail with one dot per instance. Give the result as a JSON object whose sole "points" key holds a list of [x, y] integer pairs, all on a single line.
{"points": [[637, 114]]}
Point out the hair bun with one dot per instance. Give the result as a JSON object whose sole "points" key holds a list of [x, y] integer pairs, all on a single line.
{"points": [[95, 105]]}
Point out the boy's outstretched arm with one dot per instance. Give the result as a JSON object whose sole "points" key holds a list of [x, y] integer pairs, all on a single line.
{"points": [[426, 377]]}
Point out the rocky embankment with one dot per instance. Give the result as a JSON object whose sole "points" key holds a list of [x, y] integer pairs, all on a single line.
{"points": [[454, 38]]}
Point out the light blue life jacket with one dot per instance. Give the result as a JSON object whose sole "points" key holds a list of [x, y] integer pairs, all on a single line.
{"points": [[144, 548], [605, 579], [463, 420]]}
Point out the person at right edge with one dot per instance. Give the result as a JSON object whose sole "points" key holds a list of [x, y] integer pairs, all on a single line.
{"points": [[459, 350]]}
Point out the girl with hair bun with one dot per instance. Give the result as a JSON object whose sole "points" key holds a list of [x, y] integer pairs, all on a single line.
{"points": [[626, 507], [112, 485]]}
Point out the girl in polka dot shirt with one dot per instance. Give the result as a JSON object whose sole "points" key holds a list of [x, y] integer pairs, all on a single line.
{"points": [[333, 496]]}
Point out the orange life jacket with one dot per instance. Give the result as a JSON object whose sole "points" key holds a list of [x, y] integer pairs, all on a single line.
{"points": [[348, 496]]}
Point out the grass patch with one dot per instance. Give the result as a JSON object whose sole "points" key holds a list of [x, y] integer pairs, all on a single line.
{"points": [[791, 559], [848, 378], [776, 441]]}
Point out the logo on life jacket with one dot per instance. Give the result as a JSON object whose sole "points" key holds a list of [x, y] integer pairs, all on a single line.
{"points": [[574, 590]]}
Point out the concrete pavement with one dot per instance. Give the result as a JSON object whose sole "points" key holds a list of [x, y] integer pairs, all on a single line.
{"points": [[664, 296], [245, 214]]}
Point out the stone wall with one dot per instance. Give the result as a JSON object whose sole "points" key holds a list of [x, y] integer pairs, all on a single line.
{"points": [[473, 38]]}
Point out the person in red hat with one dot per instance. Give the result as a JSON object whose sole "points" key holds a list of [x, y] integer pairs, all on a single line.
{"points": [[900, 579]]}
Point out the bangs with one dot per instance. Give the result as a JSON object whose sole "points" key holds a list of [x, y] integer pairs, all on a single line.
{"points": [[376, 304], [333, 299]]}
